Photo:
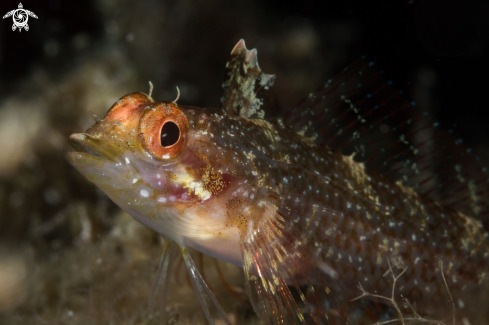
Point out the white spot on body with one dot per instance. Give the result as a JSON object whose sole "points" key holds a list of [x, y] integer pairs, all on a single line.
{"points": [[328, 270], [161, 199], [144, 193]]}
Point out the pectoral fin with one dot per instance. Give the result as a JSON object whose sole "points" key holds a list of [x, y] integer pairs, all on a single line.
{"points": [[284, 281], [163, 275], [211, 307]]}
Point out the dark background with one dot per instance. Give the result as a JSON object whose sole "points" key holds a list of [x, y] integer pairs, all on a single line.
{"points": [[81, 56]]}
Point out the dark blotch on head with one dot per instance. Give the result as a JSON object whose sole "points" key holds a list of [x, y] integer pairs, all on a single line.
{"points": [[170, 133]]}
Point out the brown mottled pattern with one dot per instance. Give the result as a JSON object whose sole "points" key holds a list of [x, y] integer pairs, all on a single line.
{"points": [[346, 221], [307, 223]]}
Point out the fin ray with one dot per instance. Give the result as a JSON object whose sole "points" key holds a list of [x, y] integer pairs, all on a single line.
{"points": [[282, 279], [163, 274], [244, 83], [206, 298], [361, 113]]}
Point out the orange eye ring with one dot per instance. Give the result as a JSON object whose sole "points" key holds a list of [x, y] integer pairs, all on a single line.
{"points": [[163, 130]]}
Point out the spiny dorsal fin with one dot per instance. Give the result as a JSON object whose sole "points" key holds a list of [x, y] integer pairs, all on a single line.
{"points": [[360, 112], [243, 81]]}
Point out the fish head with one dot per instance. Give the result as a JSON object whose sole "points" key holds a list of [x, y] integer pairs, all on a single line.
{"points": [[159, 163]]}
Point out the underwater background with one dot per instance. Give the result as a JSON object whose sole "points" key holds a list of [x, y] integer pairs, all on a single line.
{"points": [[68, 255]]}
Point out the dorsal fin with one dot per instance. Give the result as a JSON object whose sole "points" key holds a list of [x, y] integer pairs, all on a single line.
{"points": [[360, 112], [243, 83]]}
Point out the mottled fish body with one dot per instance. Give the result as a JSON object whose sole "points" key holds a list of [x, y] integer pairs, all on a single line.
{"points": [[328, 203]]}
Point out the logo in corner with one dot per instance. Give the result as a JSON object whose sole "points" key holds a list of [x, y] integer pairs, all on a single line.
{"points": [[20, 17]]}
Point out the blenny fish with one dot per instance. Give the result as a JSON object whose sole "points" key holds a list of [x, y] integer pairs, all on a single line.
{"points": [[353, 207]]}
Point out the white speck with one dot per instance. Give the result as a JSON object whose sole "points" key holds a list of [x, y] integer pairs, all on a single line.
{"points": [[134, 180], [167, 156], [362, 238], [158, 176], [416, 260], [127, 161], [144, 193], [69, 313], [427, 289], [252, 196], [461, 303], [414, 237], [172, 198], [159, 183], [184, 196], [328, 270], [161, 199]]}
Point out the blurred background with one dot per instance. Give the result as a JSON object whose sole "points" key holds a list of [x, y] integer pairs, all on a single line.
{"points": [[68, 255]]}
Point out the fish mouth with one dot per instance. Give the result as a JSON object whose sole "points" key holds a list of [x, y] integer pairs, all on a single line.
{"points": [[94, 146], [82, 142], [89, 152]]}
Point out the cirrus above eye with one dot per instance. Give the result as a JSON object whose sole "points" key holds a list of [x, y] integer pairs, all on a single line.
{"points": [[170, 133]]}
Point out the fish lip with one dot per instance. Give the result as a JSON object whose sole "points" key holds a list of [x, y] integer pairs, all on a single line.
{"points": [[83, 142]]}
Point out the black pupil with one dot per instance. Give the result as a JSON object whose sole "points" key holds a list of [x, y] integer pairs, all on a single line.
{"points": [[169, 134]]}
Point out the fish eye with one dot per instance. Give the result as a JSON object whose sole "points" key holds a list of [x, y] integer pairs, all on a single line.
{"points": [[163, 129], [170, 133]]}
